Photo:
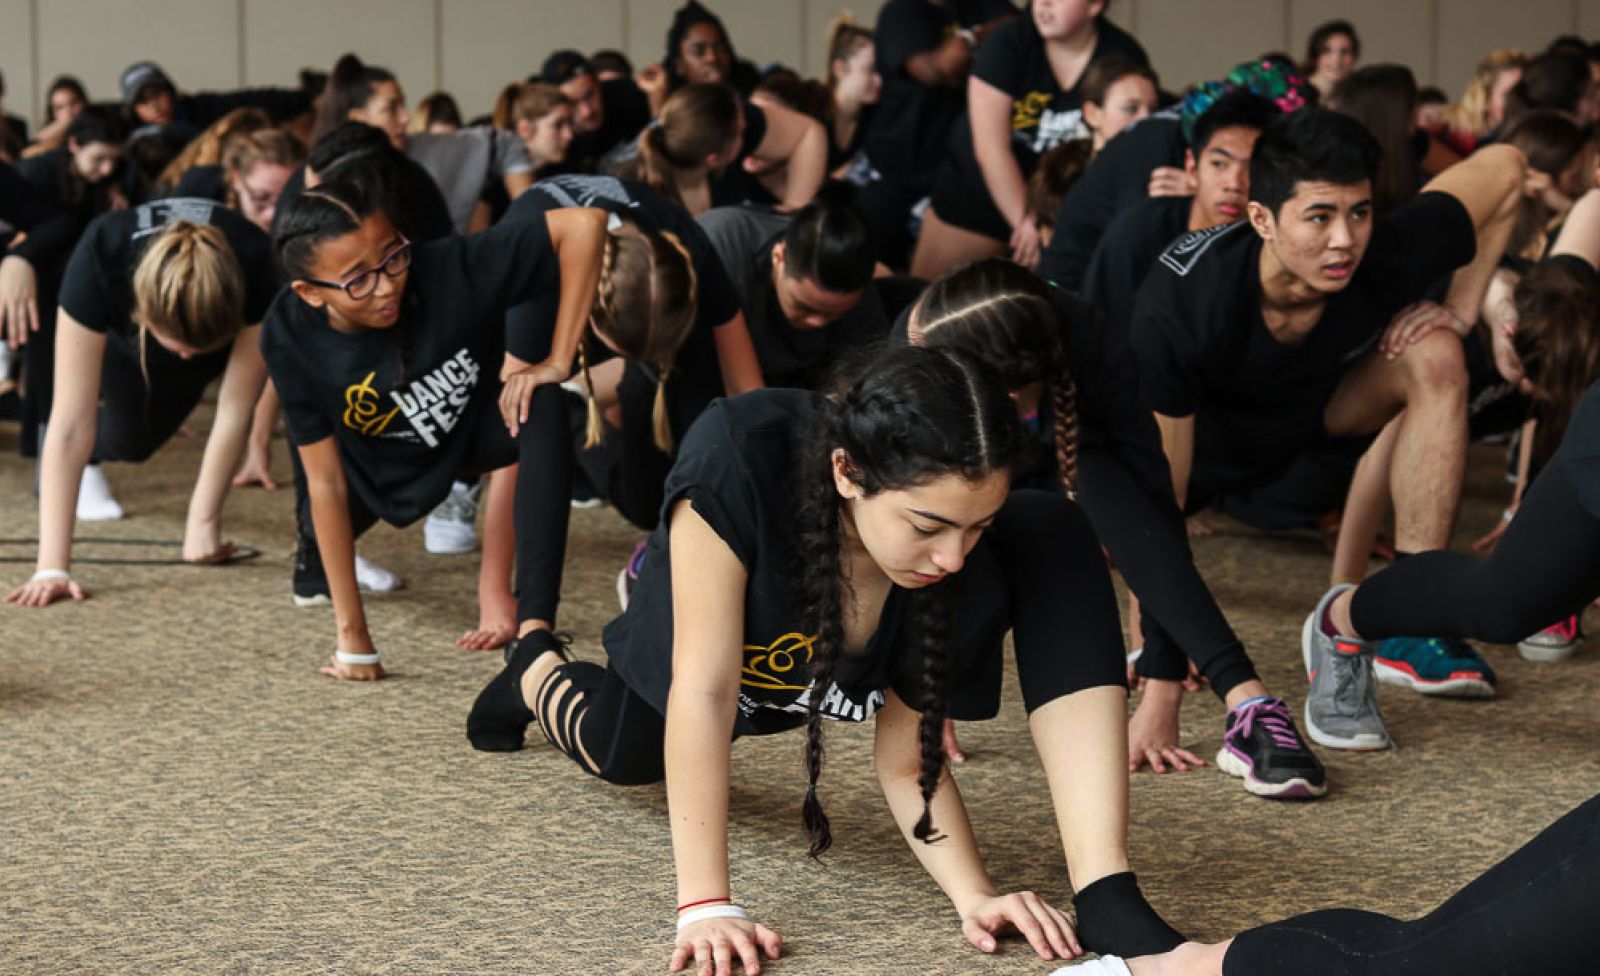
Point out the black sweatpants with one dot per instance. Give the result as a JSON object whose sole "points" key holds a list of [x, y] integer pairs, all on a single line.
{"points": [[1534, 912], [541, 527], [1066, 638], [1150, 545]]}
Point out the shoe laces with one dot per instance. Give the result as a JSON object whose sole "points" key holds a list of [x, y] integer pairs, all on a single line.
{"points": [[1352, 680], [1566, 629], [1273, 716]]}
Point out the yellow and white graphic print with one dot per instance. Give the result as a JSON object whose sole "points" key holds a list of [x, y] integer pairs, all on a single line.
{"points": [[785, 665]]}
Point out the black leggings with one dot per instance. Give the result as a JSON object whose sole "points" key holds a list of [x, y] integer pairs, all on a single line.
{"points": [[1545, 567], [1150, 545], [136, 418], [1067, 639], [1534, 912], [541, 528]]}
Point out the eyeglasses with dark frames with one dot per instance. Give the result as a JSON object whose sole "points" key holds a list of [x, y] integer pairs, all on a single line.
{"points": [[363, 283]]}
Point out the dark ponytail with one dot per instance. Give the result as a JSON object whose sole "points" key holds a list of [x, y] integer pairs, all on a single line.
{"points": [[1003, 315], [830, 241], [1558, 341], [913, 416], [331, 210], [349, 87]]}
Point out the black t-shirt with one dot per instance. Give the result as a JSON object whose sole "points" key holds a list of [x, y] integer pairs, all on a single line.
{"points": [[1129, 249], [1013, 59], [625, 110], [205, 182], [737, 468], [403, 402], [910, 130], [1579, 455], [530, 327], [790, 356], [97, 290], [23, 209], [1117, 178], [1204, 349], [201, 109]]}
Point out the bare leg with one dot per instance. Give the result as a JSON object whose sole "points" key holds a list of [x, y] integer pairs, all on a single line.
{"points": [[942, 246], [1189, 959], [1365, 507], [1429, 383], [497, 605], [1083, 745]]}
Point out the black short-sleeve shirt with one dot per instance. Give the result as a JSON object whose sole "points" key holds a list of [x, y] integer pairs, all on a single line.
{"points": [[530, 327], [1129, 249], [625, 110], [737, 469], [1117, 178], [908, 135], [790, 356], [98, 288], [402, 402], [1204, 349]]}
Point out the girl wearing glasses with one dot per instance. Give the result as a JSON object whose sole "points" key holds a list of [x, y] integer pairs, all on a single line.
{"points": [[385, 354], [157, 302]]}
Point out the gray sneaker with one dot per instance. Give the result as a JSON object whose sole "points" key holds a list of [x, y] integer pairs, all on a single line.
{"points": [[1342, 704]]}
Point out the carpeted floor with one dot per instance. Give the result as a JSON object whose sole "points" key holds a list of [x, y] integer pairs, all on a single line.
{"points": [[180, 792]]}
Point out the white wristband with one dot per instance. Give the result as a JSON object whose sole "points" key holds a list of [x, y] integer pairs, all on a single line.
{"points": [[711, 911], [345, 657], [50, 574]]}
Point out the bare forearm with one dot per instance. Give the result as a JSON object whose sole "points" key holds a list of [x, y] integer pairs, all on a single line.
{"points": [[953, 863], [330, 516], [808, 167], [67, 448], [699, 731]]}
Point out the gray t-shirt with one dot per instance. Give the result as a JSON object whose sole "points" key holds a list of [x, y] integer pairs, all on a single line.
{"points": [[463, 163], [743, 237]]}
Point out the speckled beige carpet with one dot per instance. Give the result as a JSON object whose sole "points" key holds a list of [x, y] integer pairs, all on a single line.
{"points": [[180, 792]]}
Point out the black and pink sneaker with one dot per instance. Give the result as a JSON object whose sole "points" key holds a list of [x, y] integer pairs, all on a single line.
{"points": [[1263, 747]]}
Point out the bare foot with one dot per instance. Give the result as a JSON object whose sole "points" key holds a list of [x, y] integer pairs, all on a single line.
{"points": [[497, 622], [488, 636]]}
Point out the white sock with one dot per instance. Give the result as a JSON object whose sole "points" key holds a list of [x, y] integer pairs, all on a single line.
{"points": [[1103, 966], [95, 503]]}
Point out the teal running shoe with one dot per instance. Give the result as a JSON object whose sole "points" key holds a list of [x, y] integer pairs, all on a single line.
{"points": [[1442, 666]]}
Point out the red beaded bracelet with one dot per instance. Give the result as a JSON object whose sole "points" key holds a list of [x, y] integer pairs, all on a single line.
{"points": [[703, 901]]}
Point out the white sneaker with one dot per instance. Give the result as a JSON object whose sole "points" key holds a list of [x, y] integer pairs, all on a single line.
{"points": [[374, 578], [448, 531], [95, 503]]}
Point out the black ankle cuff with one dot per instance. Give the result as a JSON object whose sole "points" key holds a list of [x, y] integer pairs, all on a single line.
{"points": [[1114, 918]]}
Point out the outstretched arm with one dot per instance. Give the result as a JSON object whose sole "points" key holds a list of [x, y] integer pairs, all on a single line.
{"points": [[68, 444], [796, 142], [707, 637], [736, 355], [236, 402], [953, 861], [330, 518]]}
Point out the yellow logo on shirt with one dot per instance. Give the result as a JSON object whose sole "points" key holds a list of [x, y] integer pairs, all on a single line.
{"points": [[361, 408], [772, 667]]}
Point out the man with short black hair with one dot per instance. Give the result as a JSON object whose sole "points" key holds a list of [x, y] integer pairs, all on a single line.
{"points": [[606, 115], [1258, 339]]}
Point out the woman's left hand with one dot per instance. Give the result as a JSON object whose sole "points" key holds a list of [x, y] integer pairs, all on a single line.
{"points": [[1045, 927], [203, 545], [517, 391], [19, 300]]}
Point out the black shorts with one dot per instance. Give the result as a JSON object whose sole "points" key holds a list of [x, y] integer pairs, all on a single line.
{"points": [[961, 204]]}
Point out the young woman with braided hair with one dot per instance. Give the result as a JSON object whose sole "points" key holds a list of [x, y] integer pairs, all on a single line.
{"points": [[156, 303], [666, 338], [384, 353], [831, 557], [1074, 380]]}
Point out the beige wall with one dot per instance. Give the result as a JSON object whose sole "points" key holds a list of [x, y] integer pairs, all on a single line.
{"points": [[472, 47]]}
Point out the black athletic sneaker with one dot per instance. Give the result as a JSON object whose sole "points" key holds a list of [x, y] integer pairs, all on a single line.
{"points": [[1263, 747]]}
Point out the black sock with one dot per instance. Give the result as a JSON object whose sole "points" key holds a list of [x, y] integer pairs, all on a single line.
{"points": [[1114, 919], [1328, 629], [500, 717]]}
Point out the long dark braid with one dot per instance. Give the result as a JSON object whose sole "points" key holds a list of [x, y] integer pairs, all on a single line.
{"points": [[913, 416], [1001, 314]]}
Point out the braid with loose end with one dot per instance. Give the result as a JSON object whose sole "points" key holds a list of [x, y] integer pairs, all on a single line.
{"points": [[913, 416], [820, 545], [930, 617], [1064, 404]]}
